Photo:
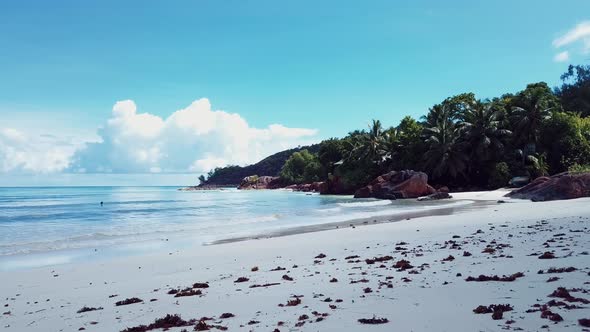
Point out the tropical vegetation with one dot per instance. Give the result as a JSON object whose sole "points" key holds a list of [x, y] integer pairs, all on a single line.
{"points": [[462, 142]]}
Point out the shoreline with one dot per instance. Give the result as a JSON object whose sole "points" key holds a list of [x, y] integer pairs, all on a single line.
{"points": [[421, 298], [380, 219]]}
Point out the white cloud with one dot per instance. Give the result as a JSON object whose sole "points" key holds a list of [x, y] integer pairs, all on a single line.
{"points": [[579, 33], [562, 56], [207, 163], [20, 152], [193, 139]]}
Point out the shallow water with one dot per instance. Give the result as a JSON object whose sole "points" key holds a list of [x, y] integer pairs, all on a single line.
{"points": [[51, 220]]}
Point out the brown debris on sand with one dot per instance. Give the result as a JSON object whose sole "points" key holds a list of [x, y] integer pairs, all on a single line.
{"points": [[488, 250], [128, 301], [547, 255], [320, 256], [167, 322], [558, 270], [497, 310], [563, 293], [403, 265], [254, 269], [265, 285], [552, 316], [373, 320], [333, 280], [585, 322], [292, 303], [295, 302], [286, 277], [449, 259], [351, 257], [278, 268], [188, 292], [359, 281], [241, 279], [226, 315], [200, 285], [504, 278], [378, 259], [203, 326], [86, 309]]}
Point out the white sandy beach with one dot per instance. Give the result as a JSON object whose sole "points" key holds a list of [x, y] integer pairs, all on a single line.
{"points": [[434, 296]]}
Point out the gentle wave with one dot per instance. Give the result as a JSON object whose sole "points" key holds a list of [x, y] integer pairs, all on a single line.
{"points": [[330, 210], [366, 204]]}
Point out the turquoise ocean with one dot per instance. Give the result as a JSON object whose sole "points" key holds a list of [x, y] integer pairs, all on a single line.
{"points": [[52, 225]]}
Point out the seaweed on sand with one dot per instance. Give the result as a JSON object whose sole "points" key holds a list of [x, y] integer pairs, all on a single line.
{"points": [[128, 301], [373, 320], [503, 278], [86, 309]]}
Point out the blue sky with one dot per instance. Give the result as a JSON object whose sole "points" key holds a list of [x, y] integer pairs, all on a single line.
{"points": [[330, 66]]}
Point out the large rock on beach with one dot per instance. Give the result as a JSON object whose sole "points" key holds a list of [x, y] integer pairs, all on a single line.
{"points": [[394, 185], [334, 186], [306, 187], [560, 186], [260, 182]]}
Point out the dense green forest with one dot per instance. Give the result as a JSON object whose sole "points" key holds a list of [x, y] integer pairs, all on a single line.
{"points": [[462, 142]]}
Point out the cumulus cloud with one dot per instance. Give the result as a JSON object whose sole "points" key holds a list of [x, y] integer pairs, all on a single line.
{"points": [[193, 139], [578, 35], [562, 56], [21, 152]]}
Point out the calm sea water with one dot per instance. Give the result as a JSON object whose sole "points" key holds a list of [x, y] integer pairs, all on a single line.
{"points": [[40, 222]]}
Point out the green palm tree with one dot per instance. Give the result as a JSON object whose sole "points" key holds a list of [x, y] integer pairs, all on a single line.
{"points": [[481, 129], [370, 145], [392, 142], [533, 106], [445, 155]]}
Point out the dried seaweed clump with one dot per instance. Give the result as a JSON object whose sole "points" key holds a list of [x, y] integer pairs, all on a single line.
{"points": [[86, 309], [167, 322], [403, 265], [547, 255], [373, 320], [558, 270], [378, 259], [497, 310], [128, 301], [503, 278], [563, 293]]}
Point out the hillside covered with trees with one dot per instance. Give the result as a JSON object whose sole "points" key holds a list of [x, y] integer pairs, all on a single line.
{"points": [[269, 166], [462, 142]]}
